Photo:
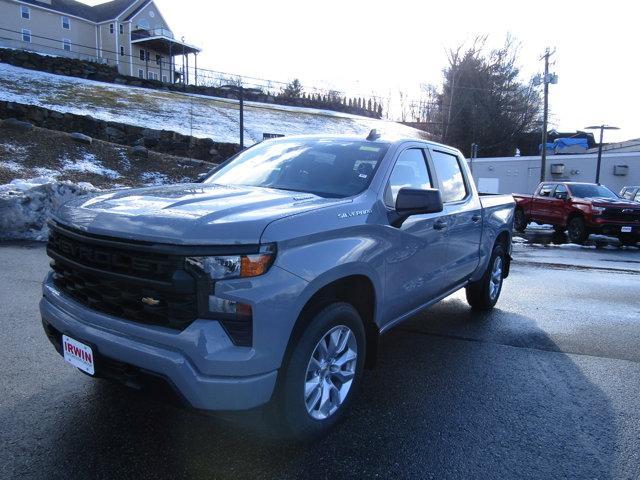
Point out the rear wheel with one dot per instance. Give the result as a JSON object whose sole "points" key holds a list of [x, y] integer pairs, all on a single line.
{"points": [[323, 373], [519, 221], [559, 228], [484, 294], [577, 230]]}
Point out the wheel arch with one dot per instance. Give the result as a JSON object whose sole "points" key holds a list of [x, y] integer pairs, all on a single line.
{"points": [[356, 289]]}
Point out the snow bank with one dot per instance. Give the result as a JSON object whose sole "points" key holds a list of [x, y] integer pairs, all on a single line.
{"points": [[26, 205]]}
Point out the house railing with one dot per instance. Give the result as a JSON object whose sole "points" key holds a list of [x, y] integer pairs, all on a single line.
{"points": [[141, 33]]}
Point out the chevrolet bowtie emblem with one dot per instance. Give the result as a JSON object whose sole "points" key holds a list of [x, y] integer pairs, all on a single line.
{"points": [[152, 302]]}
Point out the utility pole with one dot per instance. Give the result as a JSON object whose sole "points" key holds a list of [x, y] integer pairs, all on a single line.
{"points": [[547, 79], [241, 99]]}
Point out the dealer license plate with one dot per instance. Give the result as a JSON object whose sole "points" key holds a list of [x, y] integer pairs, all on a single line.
{"points": [[78, 354], [626, 229]]}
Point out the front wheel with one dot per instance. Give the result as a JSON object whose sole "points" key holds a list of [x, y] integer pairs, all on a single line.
{"points": [[484, 294], [577, 230], [323, 373], [627, 240]]}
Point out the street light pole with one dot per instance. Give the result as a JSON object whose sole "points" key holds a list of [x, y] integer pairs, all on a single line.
{"points": [[602, 128]]}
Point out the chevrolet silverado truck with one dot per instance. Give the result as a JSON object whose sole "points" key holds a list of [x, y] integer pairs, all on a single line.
{"points": [[269, 283], [581, 209]]}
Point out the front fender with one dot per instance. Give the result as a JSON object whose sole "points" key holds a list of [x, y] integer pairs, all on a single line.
{"points": [[326, 259]]}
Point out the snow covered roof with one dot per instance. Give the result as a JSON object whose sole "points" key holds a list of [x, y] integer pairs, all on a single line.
{"points": [[98, 13], [626, 146]]}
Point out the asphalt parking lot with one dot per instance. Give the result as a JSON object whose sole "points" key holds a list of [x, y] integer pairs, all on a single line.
{"points": [[545, 386]]}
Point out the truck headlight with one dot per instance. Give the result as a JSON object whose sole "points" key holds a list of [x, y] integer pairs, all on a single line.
{"points": [[235, 266], [235, 317]]}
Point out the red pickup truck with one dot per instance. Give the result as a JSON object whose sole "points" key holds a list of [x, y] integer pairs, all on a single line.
{"points": [[580, 209]]}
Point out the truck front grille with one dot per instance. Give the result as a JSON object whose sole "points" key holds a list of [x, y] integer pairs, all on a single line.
{"points": [[627, 214], [144, 287]]}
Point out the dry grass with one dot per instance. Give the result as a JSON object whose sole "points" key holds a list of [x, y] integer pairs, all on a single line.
{"points": [[40, 149]]}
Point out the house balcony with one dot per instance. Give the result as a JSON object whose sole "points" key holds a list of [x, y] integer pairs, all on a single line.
{"points": [[162, 41]]}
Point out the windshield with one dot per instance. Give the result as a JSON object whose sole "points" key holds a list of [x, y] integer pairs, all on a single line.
{"points": [[591, 191], [328, 168]]}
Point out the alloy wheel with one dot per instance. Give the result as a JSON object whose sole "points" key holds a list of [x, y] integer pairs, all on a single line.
{"points": [[330, 372]]}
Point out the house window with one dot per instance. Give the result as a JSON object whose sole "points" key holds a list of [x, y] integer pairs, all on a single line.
{"points": [[26, 35], [66, 44], [25, 12], [142, 55], [164, 79], [158, 60], [121, 29], [140, 73], [66, 23], [111, 28], [121, 51]]}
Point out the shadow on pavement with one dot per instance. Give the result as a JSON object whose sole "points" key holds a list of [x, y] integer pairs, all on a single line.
{"points": [[437, 406]]}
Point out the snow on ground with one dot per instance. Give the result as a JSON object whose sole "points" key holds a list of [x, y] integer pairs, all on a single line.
{"points": [[26, 205], [88, 164], [196, 115], [153, 178]]}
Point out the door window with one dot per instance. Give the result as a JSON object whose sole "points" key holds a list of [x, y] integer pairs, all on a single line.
{"points": [[449, 173], [410, 171], [561, 192], [637, 199], [546, 190]]}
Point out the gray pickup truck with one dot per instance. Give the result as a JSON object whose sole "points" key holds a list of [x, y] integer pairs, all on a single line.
{"points": [[270, 282]]}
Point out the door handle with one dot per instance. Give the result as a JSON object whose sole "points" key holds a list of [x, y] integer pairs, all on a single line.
{"points": [[476, 218], [440, 224]]}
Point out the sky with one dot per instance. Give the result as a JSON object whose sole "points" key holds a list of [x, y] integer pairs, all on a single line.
{"points": [[382, 47]]}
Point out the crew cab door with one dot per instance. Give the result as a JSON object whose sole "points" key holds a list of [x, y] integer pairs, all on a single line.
{"points": [[542, 203], [558, 210], [463, 215], [416, 263]]}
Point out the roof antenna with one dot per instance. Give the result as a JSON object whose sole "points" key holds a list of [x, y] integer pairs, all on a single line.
{"points": [[373, 135]]}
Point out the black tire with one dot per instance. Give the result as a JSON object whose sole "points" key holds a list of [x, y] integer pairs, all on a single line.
{"points": [[294, 421], [480, 294], [520, 221], [559, 228], [577, 230], [629, 240]]}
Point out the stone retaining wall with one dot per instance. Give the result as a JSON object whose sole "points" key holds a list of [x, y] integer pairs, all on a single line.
{"points": [[106, 73], [163, 141]]}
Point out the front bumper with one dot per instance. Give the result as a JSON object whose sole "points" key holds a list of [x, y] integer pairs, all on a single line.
{"points": [[608, 227], [166, 354]]}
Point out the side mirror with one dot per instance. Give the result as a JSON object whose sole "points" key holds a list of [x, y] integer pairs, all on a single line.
{"points": [[412, 201], [562, 195]]}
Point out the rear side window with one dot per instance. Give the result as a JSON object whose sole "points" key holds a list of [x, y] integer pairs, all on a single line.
{"points": [[546, 190], [449, 174], [410, 171], [628, 193]]}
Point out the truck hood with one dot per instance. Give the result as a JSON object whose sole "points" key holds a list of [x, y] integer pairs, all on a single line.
{"points": [[611, 202], [187, 214]]}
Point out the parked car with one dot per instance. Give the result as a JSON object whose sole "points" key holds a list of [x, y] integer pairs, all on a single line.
{"points": [[631, 193], [581, 209], [271, 281]]}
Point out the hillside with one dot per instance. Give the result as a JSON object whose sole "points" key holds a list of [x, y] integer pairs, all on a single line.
{"points": [[45, 153], [195, 115]]}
